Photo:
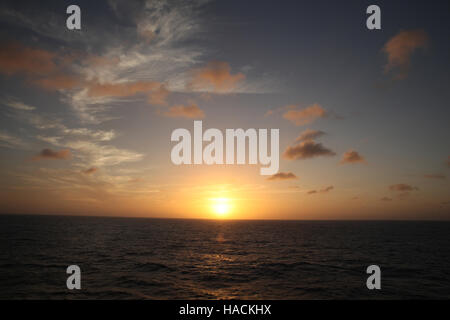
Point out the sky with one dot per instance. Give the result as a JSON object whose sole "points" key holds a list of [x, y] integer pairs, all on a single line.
{"points": [[87, 115]]}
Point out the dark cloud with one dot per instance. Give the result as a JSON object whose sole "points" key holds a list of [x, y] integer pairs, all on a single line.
{"points": [[282, 176], [307, 149], [401, 187], [324, 190], [90, 170], [50, 154]]}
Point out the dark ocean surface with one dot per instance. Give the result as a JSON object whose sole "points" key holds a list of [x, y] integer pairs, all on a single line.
{"points": [[126, 258]]}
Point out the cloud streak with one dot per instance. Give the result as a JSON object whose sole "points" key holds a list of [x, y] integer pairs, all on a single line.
{"points": [[53, 155], [282, 176]]}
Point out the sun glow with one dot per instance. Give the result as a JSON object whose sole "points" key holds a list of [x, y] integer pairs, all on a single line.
{"points": [[221, 206]]}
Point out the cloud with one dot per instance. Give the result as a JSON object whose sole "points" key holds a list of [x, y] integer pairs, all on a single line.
{"points": [[18, 105], [50, 154], [17, 58], [90, 170], [307, 149], [310, 135], [323, 190], [156, 91], [99, 155], [352, 156], [386, 199], [190, 112], [448, 162], [282, 176], [306, 115], [400, 48], [401, 187], [12, 142], [435, 176], [216, 77]]}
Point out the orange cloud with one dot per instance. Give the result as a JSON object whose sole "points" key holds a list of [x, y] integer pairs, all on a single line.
{"points": [[310, 135], [352, 156], [282, 176], [305, 150], [400, 48], [156, 91], [386, 199], [216, 76], [304, 116], [50, 154], [90, 170], [58, 82], [191, 111], [16, 58], [324, 190]]}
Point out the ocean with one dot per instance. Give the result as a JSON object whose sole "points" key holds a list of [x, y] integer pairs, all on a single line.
{"points": [[139, 258]]}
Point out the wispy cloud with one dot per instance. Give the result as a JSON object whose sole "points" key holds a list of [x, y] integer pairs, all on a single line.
{"points": [[9, 141], [16, 104]]}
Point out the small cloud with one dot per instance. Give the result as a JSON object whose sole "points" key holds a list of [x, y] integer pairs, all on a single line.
{"points": [[215, 76], [282, 176], [190, 112], [352, 156], [18, 105], [401, 187], [310, 135], [323, 190], [50, 154], [400, 48], [307, 149], [90, 170], [435, 176], [386, 199], [304, 116]]}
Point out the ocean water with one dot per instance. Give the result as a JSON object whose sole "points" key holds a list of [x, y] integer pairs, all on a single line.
{"points": [[126, 258]]}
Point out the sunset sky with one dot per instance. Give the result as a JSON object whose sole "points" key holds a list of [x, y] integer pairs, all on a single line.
{"points": [[87, 115]]}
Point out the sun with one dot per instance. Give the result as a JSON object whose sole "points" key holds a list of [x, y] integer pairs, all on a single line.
{"points": [[221, 206]]}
